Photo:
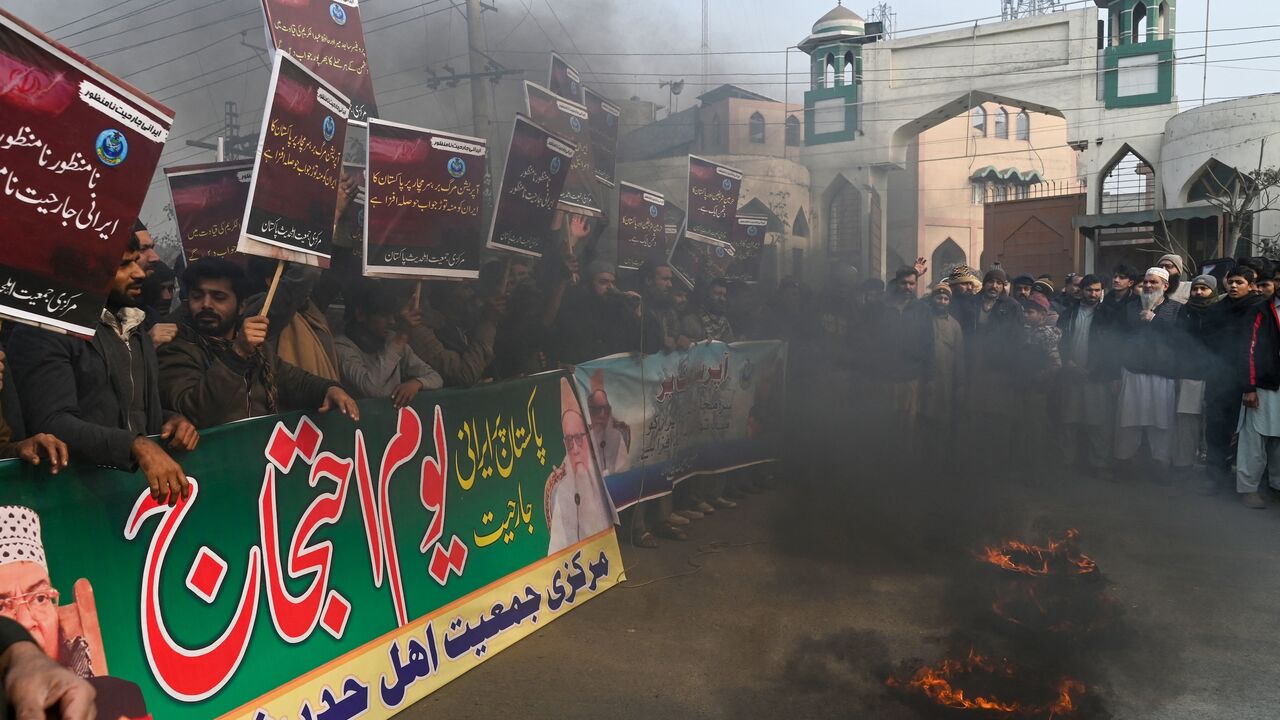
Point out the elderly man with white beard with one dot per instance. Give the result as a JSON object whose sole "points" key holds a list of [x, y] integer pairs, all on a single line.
{"points": [[575, 500], [1148, 382]]}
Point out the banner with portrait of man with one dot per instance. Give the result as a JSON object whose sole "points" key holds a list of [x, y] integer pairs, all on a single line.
{"points": [[78, 148], [423, 200], [293, 196]]}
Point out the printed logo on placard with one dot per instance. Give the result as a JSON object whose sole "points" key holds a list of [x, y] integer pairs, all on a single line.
{"points": [[331, 127], [753, 230], [338, 13], [727, 184], [653, 211], [574, 87], [555, 164], [576, 124], [719, 251], [457, 167], [112, 147]]}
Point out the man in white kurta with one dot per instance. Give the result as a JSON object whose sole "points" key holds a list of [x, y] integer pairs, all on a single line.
{"points": [[575, 501], [1148, 384]]}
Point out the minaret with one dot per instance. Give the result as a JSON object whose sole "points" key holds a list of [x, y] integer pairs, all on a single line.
{"points": [[831, 102], [1137, 49]]}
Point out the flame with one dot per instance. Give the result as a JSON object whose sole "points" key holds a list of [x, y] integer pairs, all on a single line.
{"points": [[1017, 556], [938, 685]]}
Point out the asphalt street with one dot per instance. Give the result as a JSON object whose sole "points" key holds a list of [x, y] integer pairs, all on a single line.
{"points": [[797, 603]]}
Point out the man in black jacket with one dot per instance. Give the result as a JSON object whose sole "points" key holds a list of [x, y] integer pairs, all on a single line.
{"points": [[1149, 373], [102, 396], [220, 369], [1227, 333], [1089, 375], [1258, 450]]}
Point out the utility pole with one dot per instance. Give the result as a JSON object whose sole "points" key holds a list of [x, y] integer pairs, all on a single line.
{"points": [[475, 43], [706, 44]]}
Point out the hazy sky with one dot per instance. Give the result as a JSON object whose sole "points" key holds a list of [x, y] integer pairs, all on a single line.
{"points": [[192, 55]]}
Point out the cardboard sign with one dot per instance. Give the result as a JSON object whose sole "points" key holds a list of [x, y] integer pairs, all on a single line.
{"points": [[564, 80], [641, 226], [537, 166], [208, 202], [78, 148], [327, 37], [424, 196], [713, 199], [569, 120], [748, 247], [294, 193], [605, 118]]}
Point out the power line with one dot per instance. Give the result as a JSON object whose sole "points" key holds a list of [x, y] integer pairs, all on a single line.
{"points": [[117, 19]]}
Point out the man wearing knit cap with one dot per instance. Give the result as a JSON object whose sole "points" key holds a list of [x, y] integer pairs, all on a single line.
{"points": [[1022, 287], [575, 500], [1179, 291], [1149, 372]]}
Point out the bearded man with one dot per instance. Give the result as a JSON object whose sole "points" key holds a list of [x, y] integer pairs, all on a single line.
{"points": [[575, 500], [1149, 374]]}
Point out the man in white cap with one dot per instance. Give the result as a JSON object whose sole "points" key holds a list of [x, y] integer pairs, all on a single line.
{"points": [[575, 501], [1148, 380], [27, 596]]}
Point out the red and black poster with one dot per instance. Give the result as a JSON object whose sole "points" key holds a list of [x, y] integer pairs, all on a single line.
{"points": [[78, 148], [569, 120], [209, 202], [641, 226], [748, 247], [537, 165], [294, 193], [696, 260], [713, 199], [422, 202], [565, 80], [605, 117], [326, 36]]}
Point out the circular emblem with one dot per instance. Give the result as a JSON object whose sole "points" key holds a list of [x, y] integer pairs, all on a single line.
{"points": [[653, 211], [330, 127], [727, 184], [112, 147], [555, 164], [575, 123], [719, 251], [337, 13], [574, 87], [457, 167], [753, 230]]}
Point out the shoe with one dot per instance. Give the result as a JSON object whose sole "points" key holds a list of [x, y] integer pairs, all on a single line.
{"points": [[724, 503], [704, 507], [1253, 500], [646, 540], [690, 514], [671, 532], [677, 519]]}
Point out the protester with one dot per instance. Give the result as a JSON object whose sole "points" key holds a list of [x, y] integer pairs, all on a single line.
{"points": [[1227, 332], [102, 396], [1148, 378], [1036, 371], [1195, 362], [457, 343], [1124, 281], [993, 327], [939, 395], [1089, 380], [899, 346], [711, 320], [147, 255], [374, 356], [1179, 290], [1020, 289], [297, 328], [1070, 294], [661, 321], [220, 369], [1258, 449]]}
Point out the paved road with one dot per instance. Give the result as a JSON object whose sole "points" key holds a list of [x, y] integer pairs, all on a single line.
{"points": [[796, 604]]}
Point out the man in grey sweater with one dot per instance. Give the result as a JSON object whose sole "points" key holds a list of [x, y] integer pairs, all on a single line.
{"points": [[374, 357]]}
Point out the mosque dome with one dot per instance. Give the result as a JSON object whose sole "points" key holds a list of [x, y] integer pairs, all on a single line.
{"points": [[840, 20]]}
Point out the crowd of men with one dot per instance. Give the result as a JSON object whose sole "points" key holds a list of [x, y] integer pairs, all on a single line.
{"points": [[1137, 374]]}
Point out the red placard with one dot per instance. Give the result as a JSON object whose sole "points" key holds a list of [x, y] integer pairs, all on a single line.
{"points": [[209, 202], [327, 37]]}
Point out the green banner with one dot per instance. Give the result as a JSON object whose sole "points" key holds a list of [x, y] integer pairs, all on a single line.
{"points": [[321, 568]]}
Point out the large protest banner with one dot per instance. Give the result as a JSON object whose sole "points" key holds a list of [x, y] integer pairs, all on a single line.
{"points": [[605, 117], [422, 216], [320, 568], [641, 226], [209, 202], [748, 247], [328, 38], [570, 121], [537, 165], [564, 80], [713, 199], [663, 418], [77, 151], [294, 192]]}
